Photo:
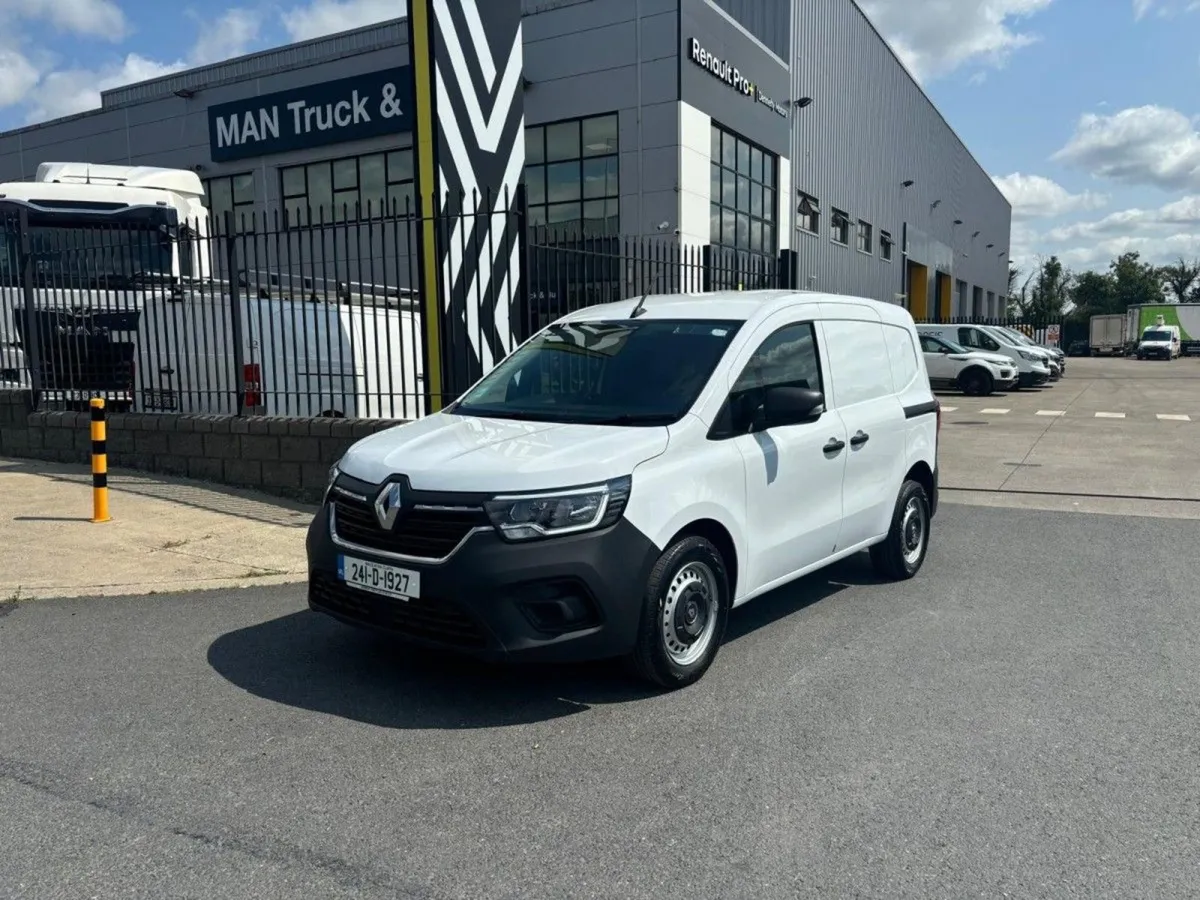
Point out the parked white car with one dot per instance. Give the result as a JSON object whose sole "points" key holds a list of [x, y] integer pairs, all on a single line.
{"points": [[1033, 368], [974, 372], [1057, 357], [1159, 342], [634, 471]]}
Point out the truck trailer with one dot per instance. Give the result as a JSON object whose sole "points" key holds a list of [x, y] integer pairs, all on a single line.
{"points": [[1108, 334], [1184, 316]]}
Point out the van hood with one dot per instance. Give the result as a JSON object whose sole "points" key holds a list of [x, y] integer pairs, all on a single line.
{"points": [[446, 452], [982, 355]]}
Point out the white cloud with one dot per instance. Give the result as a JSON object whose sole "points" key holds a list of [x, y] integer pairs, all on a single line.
{"points": [[67, 91], [318, 18], [1144, 145], [936, 37], [1164, 8], [95, 18], [1037, 197], [18, 75]]}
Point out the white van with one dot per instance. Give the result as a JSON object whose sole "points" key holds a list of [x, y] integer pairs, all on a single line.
{"points": [[1032, 367], [634, 471], [1159, 342]]}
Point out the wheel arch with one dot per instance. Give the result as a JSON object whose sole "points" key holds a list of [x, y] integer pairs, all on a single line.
{"points": [[922, 474], [720, 536], [975, 367]]}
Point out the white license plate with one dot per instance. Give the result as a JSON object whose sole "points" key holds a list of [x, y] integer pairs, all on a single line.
{"points": [[386, 580]]}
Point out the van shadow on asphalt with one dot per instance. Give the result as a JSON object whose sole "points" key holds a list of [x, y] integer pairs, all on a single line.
{"points": [[309, 661]]}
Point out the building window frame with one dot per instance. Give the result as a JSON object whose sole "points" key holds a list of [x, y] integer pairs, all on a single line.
{"points": [[808, 221], [885, 246], [573, 184], [839, 227], [345, 202], [242, 191], [866, 238], [743, 202]]}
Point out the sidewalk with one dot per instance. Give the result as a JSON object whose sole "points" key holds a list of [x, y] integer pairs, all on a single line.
{"points": [[166, 534]]}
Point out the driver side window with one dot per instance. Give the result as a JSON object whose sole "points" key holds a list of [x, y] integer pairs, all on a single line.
{"points": [[786, 358]]}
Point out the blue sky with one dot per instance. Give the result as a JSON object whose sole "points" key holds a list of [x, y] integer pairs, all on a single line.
{"points": [[1084, 111]]}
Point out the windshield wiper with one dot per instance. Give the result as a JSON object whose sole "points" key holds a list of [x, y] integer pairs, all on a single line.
{"points": [[630, 419]]}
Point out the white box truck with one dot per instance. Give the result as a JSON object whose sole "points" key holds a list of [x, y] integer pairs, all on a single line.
{"points": [[1108, 334], [125, 305]]}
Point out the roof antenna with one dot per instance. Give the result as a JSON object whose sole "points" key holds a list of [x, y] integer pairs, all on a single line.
{"points": [[640, 308]]}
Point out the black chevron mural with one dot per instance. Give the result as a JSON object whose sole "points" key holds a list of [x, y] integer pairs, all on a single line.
{"points": [[474, 152]]}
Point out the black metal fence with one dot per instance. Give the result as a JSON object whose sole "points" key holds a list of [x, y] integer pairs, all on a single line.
{"points": [[263, 316]]}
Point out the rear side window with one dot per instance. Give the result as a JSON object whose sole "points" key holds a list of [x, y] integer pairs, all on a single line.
{"points": [[976, 339], [859, 364], [903, 356]]}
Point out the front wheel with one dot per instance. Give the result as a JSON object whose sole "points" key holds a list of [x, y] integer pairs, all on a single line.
{"points": [[900, 555], [686, 607], [977, 383]]}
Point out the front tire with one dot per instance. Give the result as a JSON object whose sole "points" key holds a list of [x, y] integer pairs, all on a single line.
{"points": [[977, 383], [685, 610], [901, 554]]}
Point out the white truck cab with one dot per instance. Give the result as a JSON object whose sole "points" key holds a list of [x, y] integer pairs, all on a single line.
{"points": [[1159, 341], [1033, 369], [631, 473]]}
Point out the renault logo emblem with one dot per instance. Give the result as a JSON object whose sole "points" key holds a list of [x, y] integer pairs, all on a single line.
{"points": [[387, 506]]}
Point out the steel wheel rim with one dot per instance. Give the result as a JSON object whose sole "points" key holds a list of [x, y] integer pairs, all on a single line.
{"points": [[688, 621], [913, 530]]}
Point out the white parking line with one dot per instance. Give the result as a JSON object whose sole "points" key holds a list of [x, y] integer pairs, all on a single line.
{"points": [[1104, 415], [1167, 417], [995, 412], [1051, 412], [949, 409]]}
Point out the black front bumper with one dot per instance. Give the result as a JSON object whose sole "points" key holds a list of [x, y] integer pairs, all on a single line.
{"points": [[1029, 379], [572, 598]]}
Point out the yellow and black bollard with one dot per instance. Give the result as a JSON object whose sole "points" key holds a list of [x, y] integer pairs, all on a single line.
{"points": [[99, 462]]}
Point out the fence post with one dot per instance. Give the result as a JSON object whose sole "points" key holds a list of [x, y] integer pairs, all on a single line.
{"points": [[235, 321], [31, 343], [99, 462]]}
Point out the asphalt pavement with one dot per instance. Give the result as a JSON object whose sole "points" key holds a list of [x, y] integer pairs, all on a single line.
{"points": [[1019, 720]]}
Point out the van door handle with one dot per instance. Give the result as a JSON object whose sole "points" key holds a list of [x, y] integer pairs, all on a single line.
{"points": [[834, 445], [859, 439]]}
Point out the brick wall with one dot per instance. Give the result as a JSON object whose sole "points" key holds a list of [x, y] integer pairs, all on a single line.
{"points": [[285, 457]]}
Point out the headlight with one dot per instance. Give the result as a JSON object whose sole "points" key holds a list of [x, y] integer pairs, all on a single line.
{"points": [[526, 517], [334, 472], [1028, 355]]}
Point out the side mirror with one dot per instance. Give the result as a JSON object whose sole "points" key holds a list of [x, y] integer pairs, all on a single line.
{"points": [[943, 349], [784, 405]]}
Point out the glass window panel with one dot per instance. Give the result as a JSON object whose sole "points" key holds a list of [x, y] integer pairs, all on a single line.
{"points": [[372, 183], [535, 144], [243, 188], [563, 212], [714, 151], [400, 165], [345, 205], [728, 227], [770, 207], [714, 188], [562, 182], [345, 174], [756, 200], [320, 193], [769, 171], [600, 136], [613, 186], [728, 151], [743, 231], [537, 216], [402, 200], [297, 211], [595, 178], [756, 236], [535, 184], [743, 194], [756, 164], [714, 223], [728, 188], [293, 182], [768, 238], [743, 158], [220, 197], [562, 141]]}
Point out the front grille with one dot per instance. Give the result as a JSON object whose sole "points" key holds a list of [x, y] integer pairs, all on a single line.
{"points": [[420, 533], [427, 619]]}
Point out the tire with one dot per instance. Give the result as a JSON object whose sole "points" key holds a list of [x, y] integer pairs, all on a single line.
{"points": [[688, 571], [977, 382], [895, 558]]}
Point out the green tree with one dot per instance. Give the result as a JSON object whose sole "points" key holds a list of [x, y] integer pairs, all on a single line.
{"points": [[1181, 278], [1092, 293], [1134, 281]]}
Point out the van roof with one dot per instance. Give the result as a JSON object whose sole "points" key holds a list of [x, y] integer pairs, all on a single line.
{"points": [[735, 305]]}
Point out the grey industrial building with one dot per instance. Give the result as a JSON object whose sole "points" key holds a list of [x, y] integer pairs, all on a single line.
{"points": [[759, 125]]}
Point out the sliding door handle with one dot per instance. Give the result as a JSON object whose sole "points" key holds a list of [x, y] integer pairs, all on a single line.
{"points": [[834, 445], [859, 439]]}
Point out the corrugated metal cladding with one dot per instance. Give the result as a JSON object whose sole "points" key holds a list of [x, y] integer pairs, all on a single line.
{"points": [[268, 62], [767, 20], [870, 128]]}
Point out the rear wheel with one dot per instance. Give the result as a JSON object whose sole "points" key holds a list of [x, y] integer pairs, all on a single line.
{"points": [[976, 382], [686, 607], [901, 554]]}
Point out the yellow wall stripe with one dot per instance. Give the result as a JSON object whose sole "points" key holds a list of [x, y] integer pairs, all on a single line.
{"points": [[426, 138]]}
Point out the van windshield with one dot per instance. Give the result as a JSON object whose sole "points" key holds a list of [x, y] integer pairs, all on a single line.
{"points": [[1156, 336], [626, 372]]}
